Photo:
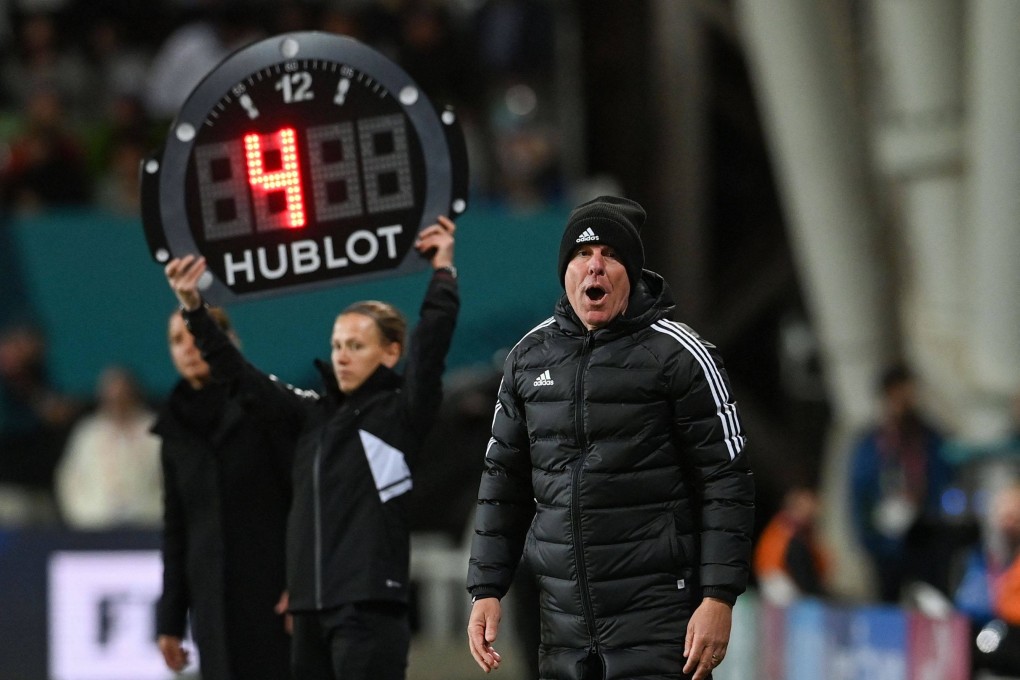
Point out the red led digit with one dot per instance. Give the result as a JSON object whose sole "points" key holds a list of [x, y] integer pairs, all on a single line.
{"points": [[286, 179]]}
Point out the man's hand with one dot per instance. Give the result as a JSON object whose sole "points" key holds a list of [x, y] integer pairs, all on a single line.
{"points": [[174, 654], [708, 635], [182, 274], [436, 242], [483, 625]]}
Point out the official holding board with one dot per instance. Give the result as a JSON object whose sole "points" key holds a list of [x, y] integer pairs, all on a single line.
{"points": [[355, 441], [302, 161]]}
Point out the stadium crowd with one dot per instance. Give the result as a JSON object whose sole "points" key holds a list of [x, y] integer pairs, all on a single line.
{"points": [[87, 89]]}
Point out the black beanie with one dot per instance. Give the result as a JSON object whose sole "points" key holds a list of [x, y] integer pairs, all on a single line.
{"points": [[609, 220]]}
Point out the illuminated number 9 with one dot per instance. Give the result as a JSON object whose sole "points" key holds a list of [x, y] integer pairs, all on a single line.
{"points": [[278, 151]]}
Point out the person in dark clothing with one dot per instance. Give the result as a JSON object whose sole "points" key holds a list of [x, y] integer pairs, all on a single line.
{"points": [[226, 482], [348, 542], [898, 473], [35, 420], [617, 468], [789, 559], [44, 166]]}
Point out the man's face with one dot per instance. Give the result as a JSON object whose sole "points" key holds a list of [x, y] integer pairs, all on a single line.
{"points": [[358, 350], [187, 359], [597, 285], [901, 399]]}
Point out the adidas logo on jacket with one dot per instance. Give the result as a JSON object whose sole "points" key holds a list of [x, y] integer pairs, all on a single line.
{"points": [[543, 379]]}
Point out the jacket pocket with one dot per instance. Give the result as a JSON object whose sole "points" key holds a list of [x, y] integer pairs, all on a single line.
{"points": [[682, 544], [529, 546]]}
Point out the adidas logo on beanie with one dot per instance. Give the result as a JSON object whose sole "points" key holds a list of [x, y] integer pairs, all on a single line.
{"points": [[609, 220]]}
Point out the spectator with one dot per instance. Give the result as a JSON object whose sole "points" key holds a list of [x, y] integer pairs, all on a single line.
{"points": [[193, 50], [35, 419], [341, 21], [41, 62], [118, 189], [109, 475], [526, 154], [898, 476], [789, 560], [296, 15], [117, 69], [46, 164], [115, 148], [516, 40], [989, 592], [433, 55], [226, 495]]}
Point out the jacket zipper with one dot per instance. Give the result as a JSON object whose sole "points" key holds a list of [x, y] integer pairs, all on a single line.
{"points": [[575, 496], [317, 514]]}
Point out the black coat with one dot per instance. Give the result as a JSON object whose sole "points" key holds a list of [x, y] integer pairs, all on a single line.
{"points": [[226, 493], [617, 467], [347, 536]]}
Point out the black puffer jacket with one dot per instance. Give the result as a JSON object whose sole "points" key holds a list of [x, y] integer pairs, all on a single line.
{"points": [[622, 450], [347, 535]]}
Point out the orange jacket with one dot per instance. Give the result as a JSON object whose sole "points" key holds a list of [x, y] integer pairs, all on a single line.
{"points": [[770, 553], [1007, 594]]}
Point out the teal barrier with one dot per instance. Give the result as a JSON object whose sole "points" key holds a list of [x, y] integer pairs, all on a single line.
{"points": [[102, 299]]}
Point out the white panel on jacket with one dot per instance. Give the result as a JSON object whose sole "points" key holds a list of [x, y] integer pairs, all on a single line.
{"points": [[389, 469]]}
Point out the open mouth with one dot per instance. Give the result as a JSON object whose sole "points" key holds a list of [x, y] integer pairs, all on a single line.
{"points": [[595, 293]]}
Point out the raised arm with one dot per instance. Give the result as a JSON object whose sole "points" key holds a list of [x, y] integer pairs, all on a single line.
{"points": [[436, 242], [260, 393], [430, 343], [183, 274]]}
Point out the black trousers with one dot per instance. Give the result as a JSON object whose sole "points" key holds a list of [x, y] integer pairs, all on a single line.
{"points": [[358, 641]]}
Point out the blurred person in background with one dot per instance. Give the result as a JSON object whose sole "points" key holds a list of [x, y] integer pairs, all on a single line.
{"points": [[118, 189], [898, 476], [989, 591], [193, 50], [516, 41], [789, 560], [617, 469], [45, 163], [434, 54], [42, 60], [355, 442], [118, 68], [35, 419], [109, 476], [226, 477]]}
